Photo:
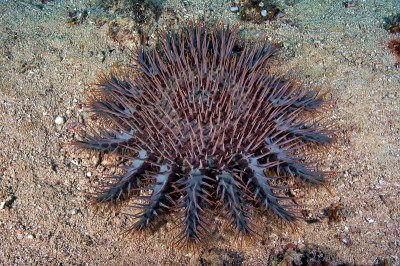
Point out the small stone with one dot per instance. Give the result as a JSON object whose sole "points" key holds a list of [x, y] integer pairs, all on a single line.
{"points": [[234, 8], [297, 193], [59, 120], [264, 13], [350, 4], [346, 240], [369, 220], [29, 236], [261, 4], [89, 174], [8, 202], [76, 161]]}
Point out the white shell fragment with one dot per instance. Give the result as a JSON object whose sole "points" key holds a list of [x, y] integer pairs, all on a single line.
{"points": [[264, 13], [234, 8], [59, 120], [261, 4]]}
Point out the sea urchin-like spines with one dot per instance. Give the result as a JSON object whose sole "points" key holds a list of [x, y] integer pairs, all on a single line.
{"points": [[280, 155], [105, 141], [201, 125], [263, 192], [231, 194], [308, 133], [113, 100], [294, 124], [193, 203], [124, 184], [158, 201]]}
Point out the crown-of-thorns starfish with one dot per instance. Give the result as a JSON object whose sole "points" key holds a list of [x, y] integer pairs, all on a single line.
{"points": [[202, 125]]}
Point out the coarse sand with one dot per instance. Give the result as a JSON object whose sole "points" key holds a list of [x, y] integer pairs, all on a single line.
{"points": [[47, 64]]}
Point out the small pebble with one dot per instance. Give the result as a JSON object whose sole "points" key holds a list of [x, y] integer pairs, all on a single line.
{"points": [[261, 4], [264, 13], [234, 9], [346, 240], [59, 120], [29, 236], [76, 161], [8, 202], [369, 220]]}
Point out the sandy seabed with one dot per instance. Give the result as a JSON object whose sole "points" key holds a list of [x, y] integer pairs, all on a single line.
{"points": [[46, 65]]}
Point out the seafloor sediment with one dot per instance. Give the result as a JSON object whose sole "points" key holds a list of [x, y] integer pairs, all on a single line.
{"points": [[50, 55]]}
